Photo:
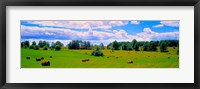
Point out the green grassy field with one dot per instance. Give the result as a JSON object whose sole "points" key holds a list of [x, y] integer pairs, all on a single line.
{"points": [[118, 59]]}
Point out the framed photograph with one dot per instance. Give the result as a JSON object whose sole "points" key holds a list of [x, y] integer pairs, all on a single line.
{"points": [[94, 44]]}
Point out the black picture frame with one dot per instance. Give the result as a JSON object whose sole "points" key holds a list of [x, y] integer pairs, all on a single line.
{"points": [[4, 3]]}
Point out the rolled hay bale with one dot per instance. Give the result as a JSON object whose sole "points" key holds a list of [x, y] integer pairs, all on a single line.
{"points": [[42, 58], [85, 60], [168, 57], [130, 61], [50, 56], [38, 59], [28, 57], [45, 63]]}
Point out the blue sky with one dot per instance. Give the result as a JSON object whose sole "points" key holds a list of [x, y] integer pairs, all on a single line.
{"points": [[98, 31]]}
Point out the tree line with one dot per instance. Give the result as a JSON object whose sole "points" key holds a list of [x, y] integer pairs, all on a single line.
{"points": [[42, 44], [143, 45], [79, 44]]}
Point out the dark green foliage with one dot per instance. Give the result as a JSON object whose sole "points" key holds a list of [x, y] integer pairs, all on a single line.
{"points": [[59, 43], [31, 47], [45, 48], [141, 43], [136, 47], [177, 52], [33, 43], [115, 45], [134, 41], [97, 51], [36, 47], [57, 47], [40, 44], [163, 46], [170, 43], [124, 47], [26, 44], [152, 46], [157, 43], [127, 46], [145, 46], [78, 44], [44, 43]]}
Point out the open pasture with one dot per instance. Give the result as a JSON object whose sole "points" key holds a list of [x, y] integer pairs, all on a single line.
{"points": [[118, 59]]}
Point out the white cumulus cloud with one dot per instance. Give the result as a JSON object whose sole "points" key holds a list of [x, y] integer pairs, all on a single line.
{"points": [[80, 24], [157, 26], [95, 36], [135, 22], [167, 23]]}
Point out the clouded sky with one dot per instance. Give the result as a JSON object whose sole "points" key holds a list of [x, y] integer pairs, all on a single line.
{"points": [[98, 31]]}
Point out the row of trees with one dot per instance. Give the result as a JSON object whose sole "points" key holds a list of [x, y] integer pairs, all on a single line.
{"points": [[42, 44], [142, 45], [78, 44]]}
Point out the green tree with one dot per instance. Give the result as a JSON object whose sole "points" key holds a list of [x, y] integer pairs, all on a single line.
{"points": [[124, 47], [134, 41], [45, 48], [129, 47], [152, 46], [136, 47], [145, 46], [32, 47], [74, 44], [163, 46], [57, 47], [97, 51], [115, 45], [36, 47], [33, 43], [44, 43], [40, 44], [26, 44]]}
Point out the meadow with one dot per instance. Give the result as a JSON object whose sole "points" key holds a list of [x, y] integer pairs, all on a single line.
{"points": [[67, 58]]}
